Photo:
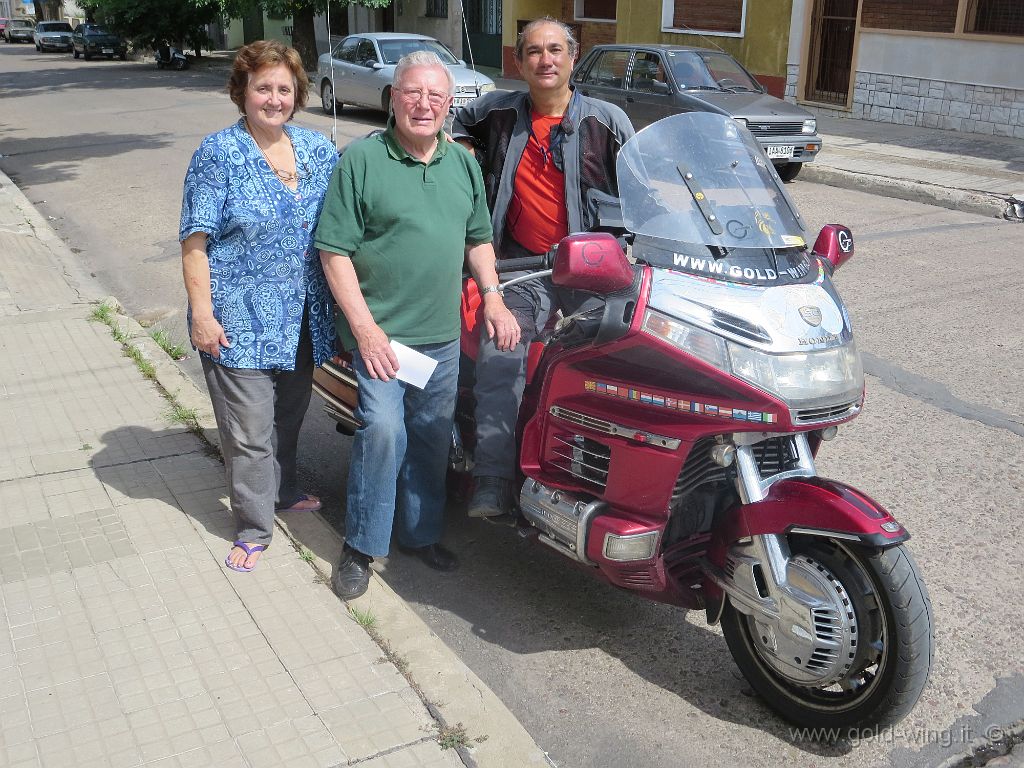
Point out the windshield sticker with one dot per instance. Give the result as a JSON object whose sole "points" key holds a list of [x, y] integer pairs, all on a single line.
{"points": [[675, 404], [764, 222], [712, 266], [793, 241]]}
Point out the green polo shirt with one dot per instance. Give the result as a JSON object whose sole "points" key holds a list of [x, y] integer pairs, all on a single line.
{"points": [[405, 224]]}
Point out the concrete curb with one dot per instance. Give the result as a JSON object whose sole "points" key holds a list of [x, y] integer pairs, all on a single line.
{"points": [[918, 192]]}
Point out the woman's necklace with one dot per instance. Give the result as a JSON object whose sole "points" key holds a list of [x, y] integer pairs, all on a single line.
{"points": [[285, 176]]}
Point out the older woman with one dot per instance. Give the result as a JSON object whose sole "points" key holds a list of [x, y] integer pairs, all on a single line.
{"points": [[259, 309]]}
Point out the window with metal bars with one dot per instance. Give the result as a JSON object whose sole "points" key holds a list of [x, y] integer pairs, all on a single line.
{"points": [[437, 9], [911, 15], [708, 16], [995, 17]]}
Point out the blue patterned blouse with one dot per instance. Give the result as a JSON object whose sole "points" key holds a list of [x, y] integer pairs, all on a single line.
{"points": [[263, 267]]}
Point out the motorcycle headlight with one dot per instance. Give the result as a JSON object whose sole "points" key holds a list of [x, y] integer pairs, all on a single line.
{"points": [[707, 346], [802, 379], [810, 126]]}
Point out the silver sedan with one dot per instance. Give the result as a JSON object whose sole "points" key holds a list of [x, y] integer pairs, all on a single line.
{"points": [[361, 68]]}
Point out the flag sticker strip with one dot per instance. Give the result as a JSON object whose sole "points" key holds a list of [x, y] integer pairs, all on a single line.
{"points": [[672, 404]]}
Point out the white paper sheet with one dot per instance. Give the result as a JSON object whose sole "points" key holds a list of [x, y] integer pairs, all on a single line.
{"points": [[413, 367]]}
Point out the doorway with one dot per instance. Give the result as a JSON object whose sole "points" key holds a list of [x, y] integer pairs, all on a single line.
{"points": [[830, 52]]}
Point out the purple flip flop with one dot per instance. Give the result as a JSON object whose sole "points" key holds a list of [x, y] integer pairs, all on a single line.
{"points": [[299, 500], [249, 549]]}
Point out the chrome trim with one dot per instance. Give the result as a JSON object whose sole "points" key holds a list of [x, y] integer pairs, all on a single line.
{"points": [[749, 484], [825, 534], [825, 414], [611, 428]]}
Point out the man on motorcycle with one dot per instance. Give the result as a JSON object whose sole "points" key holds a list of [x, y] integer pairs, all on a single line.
{"points": [[541, 153]]}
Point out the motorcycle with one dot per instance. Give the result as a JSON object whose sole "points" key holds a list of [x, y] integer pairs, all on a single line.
{"points": [[667, 438], [171, 57]]}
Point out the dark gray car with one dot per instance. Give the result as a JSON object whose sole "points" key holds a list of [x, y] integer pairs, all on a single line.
{"points": [[650, 82]]}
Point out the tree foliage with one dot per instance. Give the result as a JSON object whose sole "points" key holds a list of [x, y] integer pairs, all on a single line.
{"points": [[151, 23]]}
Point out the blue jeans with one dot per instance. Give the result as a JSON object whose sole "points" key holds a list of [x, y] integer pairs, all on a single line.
{"points": [[400, 456]]}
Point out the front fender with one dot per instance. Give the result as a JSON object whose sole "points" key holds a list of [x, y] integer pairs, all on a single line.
{"points": [[813, 506]]}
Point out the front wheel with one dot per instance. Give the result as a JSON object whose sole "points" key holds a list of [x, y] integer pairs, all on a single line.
{"points": [[74, 52], [180, 64], [882, 607], [789, 171]]}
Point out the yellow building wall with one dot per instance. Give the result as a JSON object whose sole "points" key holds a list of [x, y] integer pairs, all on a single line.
{"points": [[762, 49]]}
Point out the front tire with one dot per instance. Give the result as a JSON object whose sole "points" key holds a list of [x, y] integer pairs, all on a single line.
{"points": [[789, 171], [385, 100], [894, 653], [74, 52]]}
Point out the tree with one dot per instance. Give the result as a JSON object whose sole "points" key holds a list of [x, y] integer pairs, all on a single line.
{"points": [[151, 23], [302, 12]]}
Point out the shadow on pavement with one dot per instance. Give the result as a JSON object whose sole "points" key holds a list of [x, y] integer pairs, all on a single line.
{"points": [[32, 161]]}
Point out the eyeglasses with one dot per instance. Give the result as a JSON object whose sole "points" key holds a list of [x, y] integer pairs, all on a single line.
{"points": [[413, 96]]}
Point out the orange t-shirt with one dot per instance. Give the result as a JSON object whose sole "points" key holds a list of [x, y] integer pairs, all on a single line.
{"points": [[536, 217]]}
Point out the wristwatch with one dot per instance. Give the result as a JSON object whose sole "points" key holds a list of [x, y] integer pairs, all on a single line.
{"points": [[491, 289]]}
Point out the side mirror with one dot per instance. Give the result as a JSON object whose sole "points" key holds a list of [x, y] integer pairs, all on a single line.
{"points": [[374, 65], [834, 244], [591, 261]]}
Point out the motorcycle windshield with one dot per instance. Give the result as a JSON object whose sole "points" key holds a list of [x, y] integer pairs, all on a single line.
{"points": [[701, 179]]}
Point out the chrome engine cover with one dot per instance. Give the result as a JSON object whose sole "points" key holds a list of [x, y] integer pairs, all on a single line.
{"points": [[562, 519]]}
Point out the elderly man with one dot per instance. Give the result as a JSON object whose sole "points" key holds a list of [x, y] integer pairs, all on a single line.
{"points": [[404, 211], [541, 152]]}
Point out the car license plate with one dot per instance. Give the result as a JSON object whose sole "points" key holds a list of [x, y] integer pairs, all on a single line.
{"points": [[461, 101], [779, 151], [111, 50]]}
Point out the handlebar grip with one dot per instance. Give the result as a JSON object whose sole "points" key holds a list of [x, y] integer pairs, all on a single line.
{"points": [[525, 263]]}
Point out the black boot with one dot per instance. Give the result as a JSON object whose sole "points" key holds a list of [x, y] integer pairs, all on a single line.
{"points": [[433, 556], [352, 576]]}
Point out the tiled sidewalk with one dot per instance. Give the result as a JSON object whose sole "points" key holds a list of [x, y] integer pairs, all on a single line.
{"points": [[124, 641]]}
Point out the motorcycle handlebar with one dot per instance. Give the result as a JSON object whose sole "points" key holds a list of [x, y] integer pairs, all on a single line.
{"points": [[505, 266]]}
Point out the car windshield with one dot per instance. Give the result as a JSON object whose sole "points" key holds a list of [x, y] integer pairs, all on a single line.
{"points": [[393, 50], [54, 26], [727, 73], [91, 29], [20, 23], [689, 70]]}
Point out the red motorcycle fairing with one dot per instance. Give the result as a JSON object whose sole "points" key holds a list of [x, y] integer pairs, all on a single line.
{"points": [[811, 506]]}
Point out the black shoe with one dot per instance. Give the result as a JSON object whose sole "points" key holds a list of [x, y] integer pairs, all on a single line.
{"points": [[433, 556], [492, 496], [352, 576]]}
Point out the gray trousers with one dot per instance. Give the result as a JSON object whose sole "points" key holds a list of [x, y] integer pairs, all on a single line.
{"points": [[501, 376], [259, 414]]}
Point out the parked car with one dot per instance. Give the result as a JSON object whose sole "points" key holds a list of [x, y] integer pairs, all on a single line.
{"points": [[364, 69], [3, 27], [52, 36], [19, 30], [650, 82], [90, 40]]}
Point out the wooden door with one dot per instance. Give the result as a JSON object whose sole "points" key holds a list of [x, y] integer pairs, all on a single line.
{"points": [[830, 51]]}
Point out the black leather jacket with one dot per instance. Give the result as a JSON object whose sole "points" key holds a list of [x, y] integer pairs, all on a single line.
{"points": [[498, 124]]}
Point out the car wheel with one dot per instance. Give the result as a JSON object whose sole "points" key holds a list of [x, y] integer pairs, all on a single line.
{"points": [[328, 103], [385, 100], [180, 64], [87, 55], [789, 171], [123, 57]]}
